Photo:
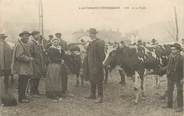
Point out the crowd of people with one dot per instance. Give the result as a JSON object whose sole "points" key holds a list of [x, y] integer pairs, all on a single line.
{"points": [[33, 58]]}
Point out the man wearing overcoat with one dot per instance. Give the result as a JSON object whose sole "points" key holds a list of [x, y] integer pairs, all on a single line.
{"points": [[95, 58], [22, 64], [175, 76], [38, 64], [5, 60]]}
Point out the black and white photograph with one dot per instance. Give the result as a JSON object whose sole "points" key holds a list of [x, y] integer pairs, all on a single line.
{"points": [[91, 57]]}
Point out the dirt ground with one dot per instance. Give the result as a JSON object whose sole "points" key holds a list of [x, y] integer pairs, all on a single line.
{"points": [[118, 102]]}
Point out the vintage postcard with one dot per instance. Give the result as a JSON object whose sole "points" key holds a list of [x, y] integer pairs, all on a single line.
{"points": [[91, 57]]}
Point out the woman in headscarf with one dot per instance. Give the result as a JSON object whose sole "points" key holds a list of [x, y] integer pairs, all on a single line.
{"points": [[55, 71]]}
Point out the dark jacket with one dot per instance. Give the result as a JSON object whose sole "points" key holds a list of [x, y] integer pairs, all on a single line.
{"points": [[175, 67], [5, 57], [54, 55], [95, 57], [38, 64]]}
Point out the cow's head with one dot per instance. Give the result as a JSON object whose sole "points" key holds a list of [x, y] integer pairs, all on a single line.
{"points": [[111, 59], [160, 61]]}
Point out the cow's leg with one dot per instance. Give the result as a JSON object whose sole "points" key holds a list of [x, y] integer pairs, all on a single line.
{"points": [[165, 95], [12, 80], [122, 74], [137, 87], [142, 83], [123, 80], [81, 74], [77, 80], [157, 80], [82, 80], [106, 75]]}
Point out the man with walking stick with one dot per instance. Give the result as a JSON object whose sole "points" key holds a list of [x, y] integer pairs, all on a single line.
{"points": [[22, 64]]}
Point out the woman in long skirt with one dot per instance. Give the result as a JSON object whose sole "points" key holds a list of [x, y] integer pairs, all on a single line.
{"points": [[55, 71]]}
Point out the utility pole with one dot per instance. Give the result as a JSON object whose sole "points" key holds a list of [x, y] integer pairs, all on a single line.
{"points": [[40, 9], [176, 22]]}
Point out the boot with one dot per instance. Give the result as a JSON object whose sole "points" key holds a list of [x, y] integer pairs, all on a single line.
{"points": [[99, 100], [180, 109], [91, 97]]}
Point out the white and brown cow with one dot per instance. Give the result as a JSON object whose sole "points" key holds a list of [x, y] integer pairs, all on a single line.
{"points": [[135, 60]]}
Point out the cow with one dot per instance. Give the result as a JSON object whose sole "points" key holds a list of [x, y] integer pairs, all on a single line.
{"points": [[135, 60], [131, 64], [160, 56]]}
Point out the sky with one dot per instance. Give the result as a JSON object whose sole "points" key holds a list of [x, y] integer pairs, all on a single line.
{"points": [[66, 16]]}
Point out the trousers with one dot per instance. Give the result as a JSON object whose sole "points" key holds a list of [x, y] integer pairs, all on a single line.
{"points": [[22, 85], [6, 74], [6, 82], [97, 86], [34, 86], [179, 86]]}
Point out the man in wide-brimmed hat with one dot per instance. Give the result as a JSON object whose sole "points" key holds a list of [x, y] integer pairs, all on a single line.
{"points": [[175, 76], [154, 41], [22, 64], [177, 46], [6, 98], [95, 57], [5, 59], [25, 34], [92, 31]]}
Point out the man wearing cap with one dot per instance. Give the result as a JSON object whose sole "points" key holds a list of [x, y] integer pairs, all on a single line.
{"points": [[38, 63], [5, 60], [22, 64], [49, 41], [62, 42], [95, 57], [175, 76], [50, 37]]}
